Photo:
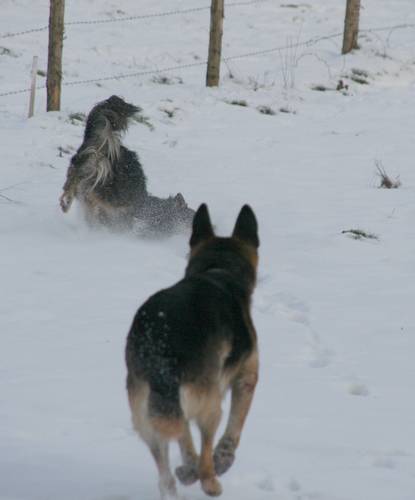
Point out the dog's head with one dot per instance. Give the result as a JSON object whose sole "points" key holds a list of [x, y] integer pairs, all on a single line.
{"points": [[118, 112], [237, 254]]}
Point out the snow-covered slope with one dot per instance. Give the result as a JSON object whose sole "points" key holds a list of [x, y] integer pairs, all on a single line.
{"points": [[333, 414]]}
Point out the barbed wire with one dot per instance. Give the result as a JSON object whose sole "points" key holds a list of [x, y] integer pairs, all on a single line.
{"points": [[137, 73], [112, 77], [307, 43], [314, 40], [25, 32], [134, 18], [388, 28]]}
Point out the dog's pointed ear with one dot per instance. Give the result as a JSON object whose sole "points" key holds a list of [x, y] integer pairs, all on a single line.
{"points": [[246, 227], [202, 227]]}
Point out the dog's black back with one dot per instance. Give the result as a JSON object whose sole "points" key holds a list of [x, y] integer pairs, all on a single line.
{"points": [[128, 186], [176, 334]]}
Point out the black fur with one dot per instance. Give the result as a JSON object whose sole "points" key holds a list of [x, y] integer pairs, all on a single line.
{"points": [[114, 109], [202, 227], [126, 188], [246, 227]]}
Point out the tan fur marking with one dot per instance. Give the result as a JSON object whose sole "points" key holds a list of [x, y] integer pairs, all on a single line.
{"points": [[226, 378], [69, 189], [208, 422], [145, 425], [95, 201], [243, 387], [168, 428], [95, 208], [199, 247], [138, 400], [248, 251], [187, 448]]}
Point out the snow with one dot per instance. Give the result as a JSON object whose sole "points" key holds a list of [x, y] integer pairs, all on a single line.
{"points": [[332, 417]]}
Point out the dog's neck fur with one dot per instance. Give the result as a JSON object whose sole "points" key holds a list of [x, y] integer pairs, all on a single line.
{"points": [[100, 153], [101, 148]]}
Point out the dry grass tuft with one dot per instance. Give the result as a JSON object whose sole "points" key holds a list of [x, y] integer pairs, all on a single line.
{"points": [[266, 110], [77, 118], [386, 182], [359, 234], [237, 102]]}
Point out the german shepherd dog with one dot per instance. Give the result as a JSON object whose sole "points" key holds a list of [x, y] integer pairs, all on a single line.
{"points": [[108, 179], [189, 344]]}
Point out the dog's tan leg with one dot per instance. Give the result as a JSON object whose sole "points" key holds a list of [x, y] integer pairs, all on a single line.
{"points": [[243, 388], [208, 422], [187, 473], [138, 393], [160, 451], [92, 211], [69, 189]]}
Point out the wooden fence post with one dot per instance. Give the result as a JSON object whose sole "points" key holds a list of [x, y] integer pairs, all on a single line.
{"points": [[54, 76], [351, 26], [215, 43], [33, 87]]}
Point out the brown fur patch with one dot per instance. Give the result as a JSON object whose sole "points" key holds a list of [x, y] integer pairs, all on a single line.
{"points": [[199, 247], [248, 251], [248, 374], [138, 399], [243, 387], [96, 202], [97, 210], [168, 428]]}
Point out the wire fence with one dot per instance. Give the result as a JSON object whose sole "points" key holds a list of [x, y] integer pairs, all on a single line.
{"points": [[119, 19], [308, 43], [258, 53]]}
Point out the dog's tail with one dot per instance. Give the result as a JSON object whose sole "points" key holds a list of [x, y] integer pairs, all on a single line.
{"points": [[106, 123], [164, 409]]}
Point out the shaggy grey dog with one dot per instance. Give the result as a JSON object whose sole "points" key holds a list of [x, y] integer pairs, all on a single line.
{"points": [[109, 182]]}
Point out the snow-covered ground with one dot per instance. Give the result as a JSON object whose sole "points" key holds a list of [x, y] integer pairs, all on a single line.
{"points": [[333, 414]]}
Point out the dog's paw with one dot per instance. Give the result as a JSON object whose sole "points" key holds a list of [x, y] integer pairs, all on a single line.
{"points": [[211, 487], [65, 202], [224, 455], [187, 474], [168, 488]]}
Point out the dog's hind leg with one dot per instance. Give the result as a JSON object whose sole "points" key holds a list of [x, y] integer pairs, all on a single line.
{"points": [[160, 450], [243, 388], [187, 473], [138, 393], [208, 421]]}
